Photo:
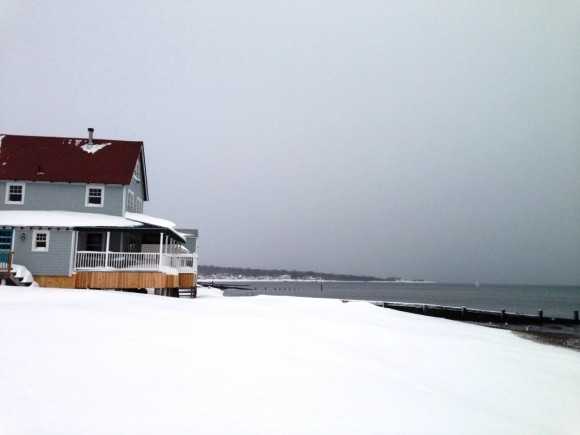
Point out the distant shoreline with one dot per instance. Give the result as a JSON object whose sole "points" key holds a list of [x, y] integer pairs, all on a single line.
{"points": [[322, 280], [222, 272]]}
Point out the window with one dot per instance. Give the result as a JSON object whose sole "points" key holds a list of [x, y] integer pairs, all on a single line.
{"points": [[40, 241], [95, 196], [95, 242], [139, 208], [5, 241], [14, 193], [130, 201], [137, 171]]}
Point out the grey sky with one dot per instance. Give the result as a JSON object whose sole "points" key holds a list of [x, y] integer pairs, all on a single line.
{"points": [[436, 140]]}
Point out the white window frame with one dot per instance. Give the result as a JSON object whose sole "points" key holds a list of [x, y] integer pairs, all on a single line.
{"points": [[137, 171], [35, 234], [139, 205], [8, 186], [95, 186], [130, 201]]}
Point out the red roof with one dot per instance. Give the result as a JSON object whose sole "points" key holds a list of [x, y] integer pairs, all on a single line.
{"points": [[69, 160]]}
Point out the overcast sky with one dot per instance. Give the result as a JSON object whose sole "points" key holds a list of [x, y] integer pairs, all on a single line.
{"points": [[421, 139]]}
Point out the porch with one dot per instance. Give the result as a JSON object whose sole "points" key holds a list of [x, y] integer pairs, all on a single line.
{"points": [[132, 259], [128, 251]]}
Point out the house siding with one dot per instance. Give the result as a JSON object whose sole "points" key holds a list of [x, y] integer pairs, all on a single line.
{"points": [[136, 187], [64, 196], [56, 261], [191, 244]]}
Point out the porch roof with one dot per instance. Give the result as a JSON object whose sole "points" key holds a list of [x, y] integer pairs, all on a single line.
{"points": [[86, 221]]}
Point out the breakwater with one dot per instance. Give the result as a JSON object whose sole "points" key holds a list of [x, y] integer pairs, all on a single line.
{"points": [[480, 316]]}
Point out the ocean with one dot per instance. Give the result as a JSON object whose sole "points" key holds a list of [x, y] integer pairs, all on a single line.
{"points": [[555, 301]]}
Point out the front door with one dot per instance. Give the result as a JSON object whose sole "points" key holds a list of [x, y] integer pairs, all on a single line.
{"points": [[5, 250]]}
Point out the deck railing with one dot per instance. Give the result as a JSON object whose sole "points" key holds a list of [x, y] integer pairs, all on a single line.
{"points": [[5, 262], [130, 261], [182, 261]]}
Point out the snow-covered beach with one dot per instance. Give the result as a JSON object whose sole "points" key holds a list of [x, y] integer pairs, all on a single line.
{"points": [[80, 361]]}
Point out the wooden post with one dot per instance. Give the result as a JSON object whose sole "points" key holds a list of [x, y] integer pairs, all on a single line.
{"points": [[160, 250], [540, 315], [463, 312], [9, 270], [576, 316], [424, 309], [503, 315], [107, 249]]}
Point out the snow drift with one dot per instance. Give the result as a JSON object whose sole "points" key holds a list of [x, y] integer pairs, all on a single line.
{"points": [[80, 361]]}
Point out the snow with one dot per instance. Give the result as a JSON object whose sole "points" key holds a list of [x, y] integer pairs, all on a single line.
{"points": [[150, 220], [139, 217], [61, 219], [71, 219], [93, 148], [23, 274], [93, 362]]}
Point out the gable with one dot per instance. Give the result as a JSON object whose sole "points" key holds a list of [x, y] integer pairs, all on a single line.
{"points": [[69, 160]]}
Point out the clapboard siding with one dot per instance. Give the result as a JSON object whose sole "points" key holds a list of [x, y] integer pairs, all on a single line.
{"points": [[64, 196], [136, 187], [54, 262]]}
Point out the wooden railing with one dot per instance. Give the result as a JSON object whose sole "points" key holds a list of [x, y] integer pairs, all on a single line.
{"points": [[131, 261], [5, 263]]}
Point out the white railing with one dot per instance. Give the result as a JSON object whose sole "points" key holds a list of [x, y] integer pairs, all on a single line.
{"points": [[130, 261], [90, 260], [184, 261]]}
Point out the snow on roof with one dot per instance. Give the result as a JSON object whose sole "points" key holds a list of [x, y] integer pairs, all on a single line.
{"points": [[93, 148], [188, 232], [62, 219], [150, 220], [73, 219], [158, 222]]}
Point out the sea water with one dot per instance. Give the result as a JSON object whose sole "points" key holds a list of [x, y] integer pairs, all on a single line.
{"points": [[555, 301]]}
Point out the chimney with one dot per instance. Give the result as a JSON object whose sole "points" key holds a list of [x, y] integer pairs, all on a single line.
{"points": [[91, 135]]}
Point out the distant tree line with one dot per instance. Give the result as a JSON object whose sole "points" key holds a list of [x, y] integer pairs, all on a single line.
{"points": [[294, 274]]}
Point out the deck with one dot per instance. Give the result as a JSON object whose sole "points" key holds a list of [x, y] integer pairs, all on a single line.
{"points": [[127, 270]]}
